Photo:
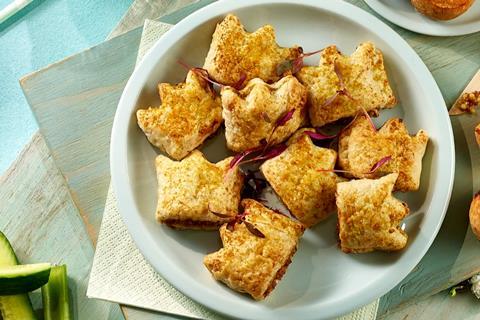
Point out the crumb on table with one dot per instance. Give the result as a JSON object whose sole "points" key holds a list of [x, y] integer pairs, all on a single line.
{"points": [[467, 102]]}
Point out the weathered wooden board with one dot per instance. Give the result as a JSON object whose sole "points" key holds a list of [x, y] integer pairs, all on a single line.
{"points": [[38, 214], [91, 85], [80, 142], [146, 9], [439, 307]]}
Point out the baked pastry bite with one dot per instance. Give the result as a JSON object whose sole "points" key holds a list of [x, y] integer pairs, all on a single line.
{"points": [[191, 189], [360, 147], [236, 54], [442, 9], [296, 177], [341, 85], [474, 215], [189, 113], [252, 114], [250, 263], [369, 216]]}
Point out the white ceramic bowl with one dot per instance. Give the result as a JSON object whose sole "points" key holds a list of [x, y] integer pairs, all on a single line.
{"points": [[402, 13], [322, 282]]}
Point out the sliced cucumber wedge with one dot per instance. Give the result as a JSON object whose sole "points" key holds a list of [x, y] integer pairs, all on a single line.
{"points": [[55, 295], [23, 278], [7, 255], [17, 306]]}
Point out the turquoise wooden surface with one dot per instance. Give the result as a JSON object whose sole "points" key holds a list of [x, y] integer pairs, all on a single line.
{"points": [[40, 34], [82, 154], [451, 60]]}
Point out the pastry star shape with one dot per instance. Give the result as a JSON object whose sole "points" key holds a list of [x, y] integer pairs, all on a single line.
{"points": [[235, 53], [369, 216], [189, 113], [364, 78], [189, 190], [251, 113], [294, 175], [360, 147], [248, 263]]}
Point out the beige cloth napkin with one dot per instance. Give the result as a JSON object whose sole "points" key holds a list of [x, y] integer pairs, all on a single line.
{"points": [[121, 274]]}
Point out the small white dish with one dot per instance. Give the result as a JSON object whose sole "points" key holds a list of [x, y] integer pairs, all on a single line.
{"points": [[322, 282], [402, 13]]}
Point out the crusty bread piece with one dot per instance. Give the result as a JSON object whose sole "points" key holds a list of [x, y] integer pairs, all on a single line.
{"points": [[190, 189], [294, 175], [474, 215], [250, 114], [235, 52], [365, 79], [360, 148], [369, 216], [442, 9], [189, 113], [248, 263]]}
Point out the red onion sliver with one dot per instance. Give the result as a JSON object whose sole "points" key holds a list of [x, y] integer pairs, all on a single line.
{"points": [[369, 119], [253, 230], [272, 153], [239, 84], [284, 118], [375, 167], [380, 163], [318, 136], [330, 100], [338, 72], [239, 157], [200, 72]]}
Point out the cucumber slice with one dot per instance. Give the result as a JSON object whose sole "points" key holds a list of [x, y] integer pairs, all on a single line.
{"points": [[16, 306], [23, 278], [55, 295], [7, 255]]}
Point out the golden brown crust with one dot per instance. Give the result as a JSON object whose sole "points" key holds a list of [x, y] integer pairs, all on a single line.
{"points": [[235, 52], [477, 133], [250, 113], [251, 264], [360, 148], [442, 9], [365, 79], [280, 273], [369, 216], [189, 189], [189, 113], [474, 215], [294, 175]]}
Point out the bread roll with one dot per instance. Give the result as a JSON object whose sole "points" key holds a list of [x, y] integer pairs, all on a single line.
{"points": [[442, 9], [475, 215]]}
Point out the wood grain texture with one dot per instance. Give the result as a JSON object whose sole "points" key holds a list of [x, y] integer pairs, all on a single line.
{"points": [[86, 100], [38, 214], [452, 61], [146, 9], [439, 307], [474, 84], [19, 179]]}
